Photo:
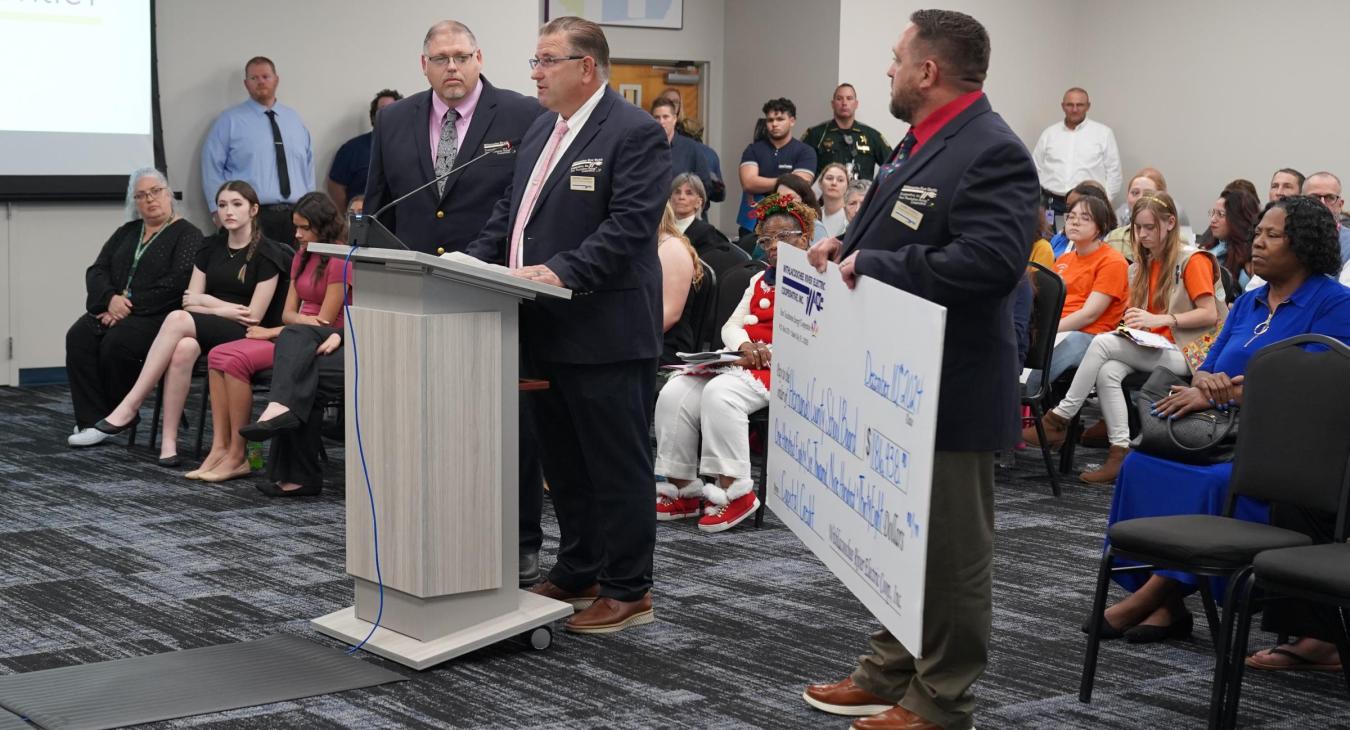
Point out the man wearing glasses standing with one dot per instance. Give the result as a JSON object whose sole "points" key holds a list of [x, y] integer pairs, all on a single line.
{"points": [[589, 186], [429, 133]]}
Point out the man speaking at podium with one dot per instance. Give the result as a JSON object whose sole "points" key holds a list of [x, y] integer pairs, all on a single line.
{"points": [[428, 134], [589, 186]]}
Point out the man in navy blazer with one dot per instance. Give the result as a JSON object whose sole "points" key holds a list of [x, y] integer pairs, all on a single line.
{"points": [[951, 219], [401, 158], [590, 184]]}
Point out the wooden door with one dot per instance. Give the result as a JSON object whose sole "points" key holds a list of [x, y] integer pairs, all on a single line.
{"points": [[642, 81]]}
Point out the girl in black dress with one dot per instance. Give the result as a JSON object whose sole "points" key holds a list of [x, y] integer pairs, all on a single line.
{"points": [[234, 280]]}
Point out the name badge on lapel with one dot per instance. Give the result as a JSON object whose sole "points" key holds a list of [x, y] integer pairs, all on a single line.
{"points": [[918, 195], [583, 182], [906, 215]]}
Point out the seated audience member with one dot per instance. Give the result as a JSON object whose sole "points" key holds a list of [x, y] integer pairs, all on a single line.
{"points": [[234, 278], [351, 164], [680, 271], [137, 279], [685, 155], [1060, 242], [1285, 182], [1205, 239], [833, 183], [1326, 187], [857, 191], [1096, 284], [713, 407], [1295, 252], [1041, 251], [800, 188], [315, 297], [1148, 180], [1230, 225], [306, 374], [357, 204], [686, 200], [1181, 306]]}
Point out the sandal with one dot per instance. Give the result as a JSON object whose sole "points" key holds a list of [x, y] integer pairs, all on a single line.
{"points": [[1297, 662]]}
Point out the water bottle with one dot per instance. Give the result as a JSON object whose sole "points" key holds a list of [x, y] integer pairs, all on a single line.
{"points": [[255, 455]]}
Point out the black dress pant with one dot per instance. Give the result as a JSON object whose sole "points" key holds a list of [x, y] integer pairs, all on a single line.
{"points": [[303, 381], [531, 479], [593, 426], [103, 363], [1293, 617]]}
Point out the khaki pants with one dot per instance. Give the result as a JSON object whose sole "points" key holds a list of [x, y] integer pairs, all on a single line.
{"points": [[957, 608]]}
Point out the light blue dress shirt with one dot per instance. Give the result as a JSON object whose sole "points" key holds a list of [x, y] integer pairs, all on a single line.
{"points": [[239, 147]]}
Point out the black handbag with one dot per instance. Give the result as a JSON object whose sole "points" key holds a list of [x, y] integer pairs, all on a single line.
{"points": [[1203, 438]]}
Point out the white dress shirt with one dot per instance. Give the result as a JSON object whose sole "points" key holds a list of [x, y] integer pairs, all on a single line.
{"points": [[574, 125], [1065, 157]]}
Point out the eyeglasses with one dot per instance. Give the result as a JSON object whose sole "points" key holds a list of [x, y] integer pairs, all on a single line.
{"points": [[1216, 213], [1326, 198], [442, 61], [784, 237], [550, 61], [145, 195]]}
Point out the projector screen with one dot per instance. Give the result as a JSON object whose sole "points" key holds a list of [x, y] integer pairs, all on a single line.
{"points": [[80, 110]]}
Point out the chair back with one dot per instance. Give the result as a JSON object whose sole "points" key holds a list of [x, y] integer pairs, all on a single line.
{"points": [[702, 305], [1046, 309], [730, 288], [1293, 443]]}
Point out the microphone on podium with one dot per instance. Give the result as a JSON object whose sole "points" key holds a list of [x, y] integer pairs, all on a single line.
{"points": [[367, 230]]}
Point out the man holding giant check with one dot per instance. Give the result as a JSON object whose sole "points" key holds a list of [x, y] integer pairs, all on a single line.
{"points": [[950, 220]]}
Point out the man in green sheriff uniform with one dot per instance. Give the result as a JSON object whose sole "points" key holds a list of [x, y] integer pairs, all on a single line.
{"points": [[847, 141]]}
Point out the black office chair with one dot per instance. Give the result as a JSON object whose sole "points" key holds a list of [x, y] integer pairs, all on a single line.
{"points": [[731, 285], [1306, 459], [703, 309], [1292, 445], [1045, 312]]}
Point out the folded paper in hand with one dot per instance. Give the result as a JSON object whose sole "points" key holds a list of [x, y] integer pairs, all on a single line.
{"points": [[1145, 338]]}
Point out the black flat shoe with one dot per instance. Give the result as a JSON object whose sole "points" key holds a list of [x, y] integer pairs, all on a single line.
{"points": [[1180, 628], [112, 430], [263, 430], [1107, 631], [273, 490], [170, 462]]}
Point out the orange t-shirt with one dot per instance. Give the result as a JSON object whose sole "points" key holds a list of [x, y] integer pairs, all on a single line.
{"points": [[1198, 279], [1103, 270]]}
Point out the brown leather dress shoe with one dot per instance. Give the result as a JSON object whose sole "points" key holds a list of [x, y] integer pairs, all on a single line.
{"points": [[896, 718], [845, 698], [580, 601], [608, 615]]}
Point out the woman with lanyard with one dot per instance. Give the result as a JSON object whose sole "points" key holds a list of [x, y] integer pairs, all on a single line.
{"points": [[137, 279], [235, 276]]}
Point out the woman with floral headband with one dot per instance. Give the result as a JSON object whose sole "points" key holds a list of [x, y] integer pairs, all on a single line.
{"points": [[714, 406]]}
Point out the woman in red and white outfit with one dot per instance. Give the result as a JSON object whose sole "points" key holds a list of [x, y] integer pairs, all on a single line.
{"points": [[713, 406]]}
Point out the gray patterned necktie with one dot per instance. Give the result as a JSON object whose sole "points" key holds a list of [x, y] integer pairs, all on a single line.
{"points": [[447, 148]]}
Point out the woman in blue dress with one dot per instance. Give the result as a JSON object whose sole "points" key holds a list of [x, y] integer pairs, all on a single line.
{"points": [[1297, 252]]}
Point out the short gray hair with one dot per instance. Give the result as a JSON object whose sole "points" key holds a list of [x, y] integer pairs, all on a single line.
{"points": [[693, 181], [132, 212], [448, 27], [858, 186], [1323, 173], [586, 39]]}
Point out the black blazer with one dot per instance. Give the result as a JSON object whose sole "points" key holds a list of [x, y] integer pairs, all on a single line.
{"points": [[400, 160], [601, 242], [976, 188]]}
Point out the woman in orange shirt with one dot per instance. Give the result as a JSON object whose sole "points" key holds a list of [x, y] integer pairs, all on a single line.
{"points": [[1174, 292], [1096, 283]]}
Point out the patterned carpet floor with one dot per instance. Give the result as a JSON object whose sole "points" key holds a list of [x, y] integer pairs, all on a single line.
{"points": [[104, 555]]}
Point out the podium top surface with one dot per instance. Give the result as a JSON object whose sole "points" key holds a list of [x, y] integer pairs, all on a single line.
{"points": [[455, 271]]}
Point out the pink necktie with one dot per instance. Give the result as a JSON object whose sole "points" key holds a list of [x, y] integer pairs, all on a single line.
{"points": [[532, 192]]}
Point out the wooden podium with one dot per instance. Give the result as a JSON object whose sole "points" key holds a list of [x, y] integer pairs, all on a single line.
{"points": [[438, 393]]}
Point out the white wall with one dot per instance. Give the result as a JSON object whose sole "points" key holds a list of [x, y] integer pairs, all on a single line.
{"points": [[1225, 90], [1027, 68], [774, 50]]}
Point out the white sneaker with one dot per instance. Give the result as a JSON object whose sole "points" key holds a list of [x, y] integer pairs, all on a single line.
{"points": [[87, 437]]}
